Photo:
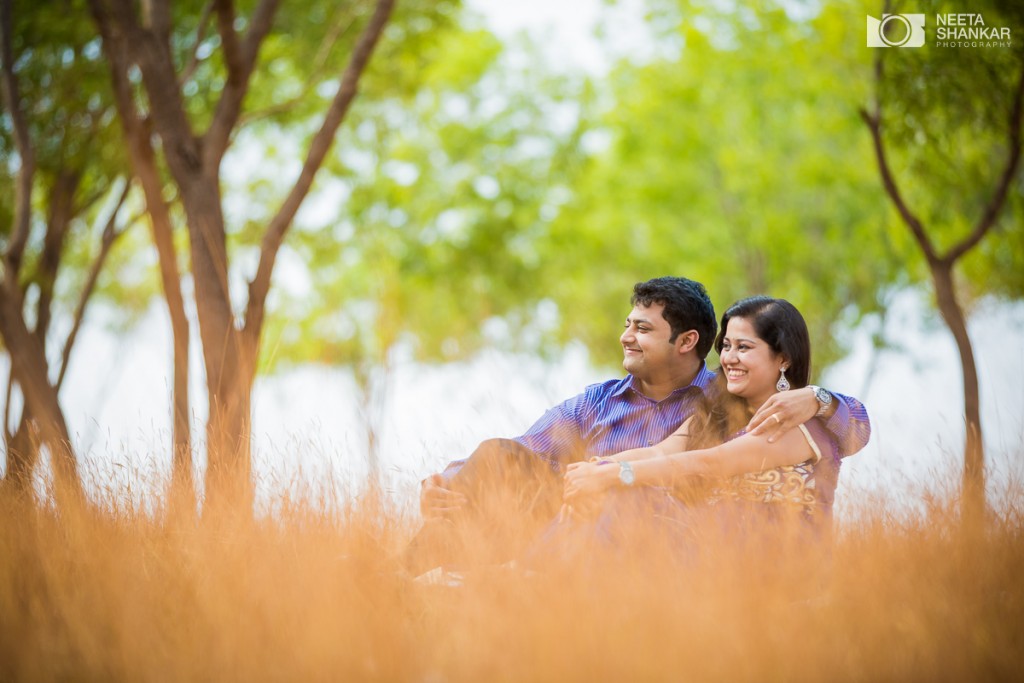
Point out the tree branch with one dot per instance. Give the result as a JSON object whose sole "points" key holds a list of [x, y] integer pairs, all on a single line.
{"points": [[234, 60], [874, 123], [110, 235], [331, 39], [144, 166], [995, 205], [318, 149], [156, 17], [241, 61], [8, 434], [193, 62], [88, 200], [125, 42], [23, 143], [62, 199]]}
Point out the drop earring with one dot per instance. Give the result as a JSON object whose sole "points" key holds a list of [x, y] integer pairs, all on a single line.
{"points": [[783, 383]]}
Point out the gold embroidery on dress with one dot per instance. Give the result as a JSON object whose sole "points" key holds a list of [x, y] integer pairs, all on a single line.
{"points": [[790, 485]]}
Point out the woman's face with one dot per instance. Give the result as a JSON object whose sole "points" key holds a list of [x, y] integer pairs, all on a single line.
{"points": [[751, 366]]}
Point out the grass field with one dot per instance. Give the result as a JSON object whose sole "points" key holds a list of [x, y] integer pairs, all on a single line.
{"points": [[104, 595]]}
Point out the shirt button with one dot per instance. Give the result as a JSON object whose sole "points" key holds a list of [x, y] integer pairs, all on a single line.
{"points": [[649, 442]]}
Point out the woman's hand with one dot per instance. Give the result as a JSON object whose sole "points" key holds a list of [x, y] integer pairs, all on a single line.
{"points": [[588, 479]]}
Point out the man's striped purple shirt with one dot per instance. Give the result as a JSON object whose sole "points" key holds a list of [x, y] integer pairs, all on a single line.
{"points": [[613, 416]]}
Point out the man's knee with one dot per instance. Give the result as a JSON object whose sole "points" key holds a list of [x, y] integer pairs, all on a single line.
{"points": [[502, 467], [495, 448], [505, 459]]}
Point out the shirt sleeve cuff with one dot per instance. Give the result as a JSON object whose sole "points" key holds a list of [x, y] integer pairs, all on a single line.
{"points": [[452, 469]]}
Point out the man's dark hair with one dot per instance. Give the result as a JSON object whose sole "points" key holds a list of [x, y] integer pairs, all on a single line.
{"points": [[781, 326], [687, 307]]}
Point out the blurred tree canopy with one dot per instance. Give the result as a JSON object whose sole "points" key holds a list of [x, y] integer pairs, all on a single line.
{"points": [[431, 224], [947, 132], [64, 183], [734, 156], [479, 196], [182, 82], [947, 123]]}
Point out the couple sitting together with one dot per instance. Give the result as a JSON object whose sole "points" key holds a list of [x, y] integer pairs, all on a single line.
{"points": [[686, 449]]}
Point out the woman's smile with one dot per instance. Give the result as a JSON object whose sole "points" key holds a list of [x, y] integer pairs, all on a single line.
{"points": [[751, 367]]}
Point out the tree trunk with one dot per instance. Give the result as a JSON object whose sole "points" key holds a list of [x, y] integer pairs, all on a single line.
{"points": [[229, 357], [28, 363], [229, 483], [22, 454], [229, 349], [143, 160], [145, 168], [973, 503], [61, 212]]}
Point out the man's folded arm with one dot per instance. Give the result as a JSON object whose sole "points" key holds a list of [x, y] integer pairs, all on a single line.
{"points": [[554, 438], [849, 424]]}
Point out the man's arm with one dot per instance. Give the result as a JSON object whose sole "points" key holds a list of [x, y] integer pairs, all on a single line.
{"points": [[849, 424], [845, 418], [555, 438]]}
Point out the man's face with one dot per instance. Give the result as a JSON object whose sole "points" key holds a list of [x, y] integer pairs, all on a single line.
{"points": [[646, 348]]}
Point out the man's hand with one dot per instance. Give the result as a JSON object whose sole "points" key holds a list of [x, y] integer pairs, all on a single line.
{"points": [[437, 501], [582, 510], [783, 411], [587, 479]]}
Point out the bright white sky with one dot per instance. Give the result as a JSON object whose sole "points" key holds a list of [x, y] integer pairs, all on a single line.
{"points": [[566, 28], [569, 22]]}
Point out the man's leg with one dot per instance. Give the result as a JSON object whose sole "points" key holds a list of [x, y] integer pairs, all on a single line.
{"points": [[511, 494]]}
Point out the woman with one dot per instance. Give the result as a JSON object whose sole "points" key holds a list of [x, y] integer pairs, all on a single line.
{"points": [[749, 483]]}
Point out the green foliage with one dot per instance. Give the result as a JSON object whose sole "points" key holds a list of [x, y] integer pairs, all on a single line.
{"points": [[946, 118], [429, 228], [735, 155], [471, 188], [64, 85], [739, 161]]}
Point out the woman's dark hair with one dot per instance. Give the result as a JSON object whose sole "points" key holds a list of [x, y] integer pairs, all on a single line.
{"points": [[687, 307], [781, 326]]}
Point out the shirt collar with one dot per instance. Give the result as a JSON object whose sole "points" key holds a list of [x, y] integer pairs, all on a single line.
{"points": [[702, 380]]}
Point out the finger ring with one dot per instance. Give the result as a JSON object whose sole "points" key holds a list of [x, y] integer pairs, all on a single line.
{"points": [[776, 418]]}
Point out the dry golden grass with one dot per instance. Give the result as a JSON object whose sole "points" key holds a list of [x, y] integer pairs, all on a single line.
{"points": [[124, 596]]}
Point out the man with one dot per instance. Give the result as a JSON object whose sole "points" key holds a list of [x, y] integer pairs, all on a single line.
{"points": [[499, 495]]}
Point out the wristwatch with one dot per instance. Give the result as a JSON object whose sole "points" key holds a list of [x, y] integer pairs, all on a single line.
{"points": [[824, 399], [626, 474]]}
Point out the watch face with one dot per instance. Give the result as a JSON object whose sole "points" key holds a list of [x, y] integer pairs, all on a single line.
{"points": [[626, 474], [824, 398]]}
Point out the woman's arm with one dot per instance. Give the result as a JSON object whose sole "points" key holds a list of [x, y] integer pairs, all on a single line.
{"points": [[675, 442], [748, 453]]}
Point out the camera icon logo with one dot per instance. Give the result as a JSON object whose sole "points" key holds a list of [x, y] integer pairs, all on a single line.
{"points": [[896, 30]]}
